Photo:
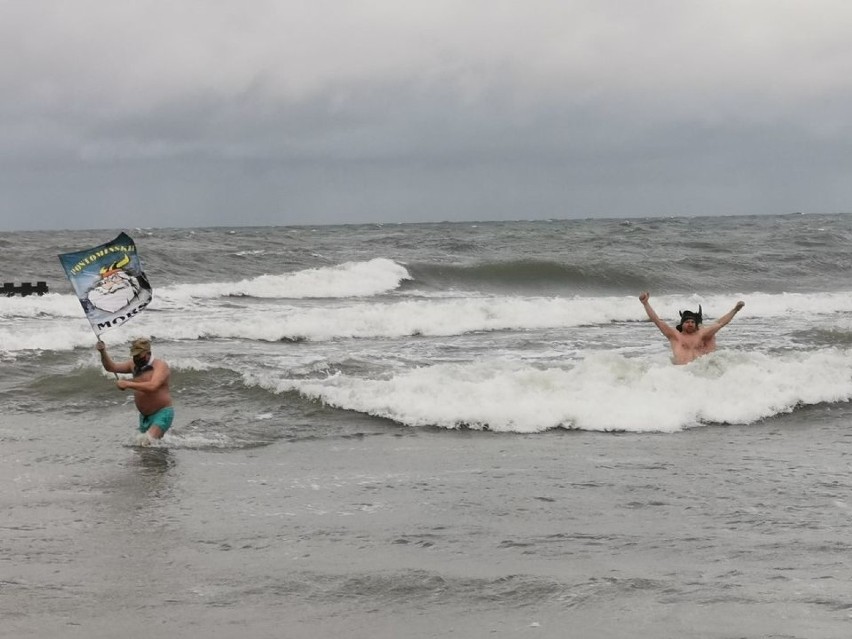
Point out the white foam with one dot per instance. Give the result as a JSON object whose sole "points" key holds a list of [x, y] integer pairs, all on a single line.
{"points": [[178, 437], [144, 439], [445, 317], [39, 306], [762, 305], [38, 336], [395, 319], [602, 392], [57, 322], [351, 279]]}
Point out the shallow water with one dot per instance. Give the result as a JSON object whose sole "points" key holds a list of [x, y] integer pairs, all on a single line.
{"points": [[712, 532]]}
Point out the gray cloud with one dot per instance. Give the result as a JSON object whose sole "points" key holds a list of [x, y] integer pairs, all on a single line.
{"points": [[221, 112]]}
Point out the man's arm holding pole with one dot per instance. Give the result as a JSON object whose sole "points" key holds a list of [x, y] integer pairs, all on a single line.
{"points": [[108, 363]]}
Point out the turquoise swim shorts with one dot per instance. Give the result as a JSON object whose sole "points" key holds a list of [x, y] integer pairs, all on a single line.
{"points": [[162, 418]]}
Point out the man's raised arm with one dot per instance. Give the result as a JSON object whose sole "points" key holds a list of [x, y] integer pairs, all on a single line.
{"points": [[716, 326], [665, 329]]}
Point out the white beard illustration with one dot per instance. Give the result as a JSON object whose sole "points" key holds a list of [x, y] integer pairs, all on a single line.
{"points": [[114, 292]]}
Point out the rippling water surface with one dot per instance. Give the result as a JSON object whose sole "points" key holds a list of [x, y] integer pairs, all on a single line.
{"points": [[437, 430]]}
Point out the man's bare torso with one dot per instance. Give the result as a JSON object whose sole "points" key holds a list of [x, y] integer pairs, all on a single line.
{"points": [[149, 402], [687, 347]]}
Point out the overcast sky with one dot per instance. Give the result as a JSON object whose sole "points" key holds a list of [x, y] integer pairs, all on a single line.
{"points": [[125, 113]]}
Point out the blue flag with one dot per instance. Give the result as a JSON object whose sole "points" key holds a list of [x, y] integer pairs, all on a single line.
{"points": [[109, 282]]}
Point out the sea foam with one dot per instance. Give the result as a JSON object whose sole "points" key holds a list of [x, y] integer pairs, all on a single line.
{"points": [[176, 314], [350, 279], [601, 393]]}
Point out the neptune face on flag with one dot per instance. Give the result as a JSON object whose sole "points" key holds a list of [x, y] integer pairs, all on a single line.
{"points": [[116, 289], [109, 282]]}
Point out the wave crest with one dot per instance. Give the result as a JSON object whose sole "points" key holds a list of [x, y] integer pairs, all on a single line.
{"points": [[605, 392], [351, 279]]}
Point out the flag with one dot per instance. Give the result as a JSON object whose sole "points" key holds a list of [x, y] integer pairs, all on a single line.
{"points": [[109, 282]]}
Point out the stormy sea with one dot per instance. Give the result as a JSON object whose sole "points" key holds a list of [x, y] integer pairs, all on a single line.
{"points": [[437, 430]]}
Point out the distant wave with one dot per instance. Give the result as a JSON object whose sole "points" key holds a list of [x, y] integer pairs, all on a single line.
{"points": [[457, 316], [528, 275], [619, 274], [351, 279], [40, 306], [602, 393], [411, 317], [50, 330], [838, 336]]}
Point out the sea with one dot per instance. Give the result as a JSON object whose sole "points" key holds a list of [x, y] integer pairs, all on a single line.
{"points": [[464, 429]]}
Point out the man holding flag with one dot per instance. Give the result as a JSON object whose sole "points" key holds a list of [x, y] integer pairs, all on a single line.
{"points": [[150, 386], [113, 289]]}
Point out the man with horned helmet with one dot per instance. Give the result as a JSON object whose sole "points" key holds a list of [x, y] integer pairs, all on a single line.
{"points": [[689, 339]]}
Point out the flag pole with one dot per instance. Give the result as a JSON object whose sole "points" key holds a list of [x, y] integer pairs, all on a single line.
{"points": [[98, 336]]}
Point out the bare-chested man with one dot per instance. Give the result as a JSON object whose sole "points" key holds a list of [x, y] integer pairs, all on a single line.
{"points": [[150, 386], [689, 340]]}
